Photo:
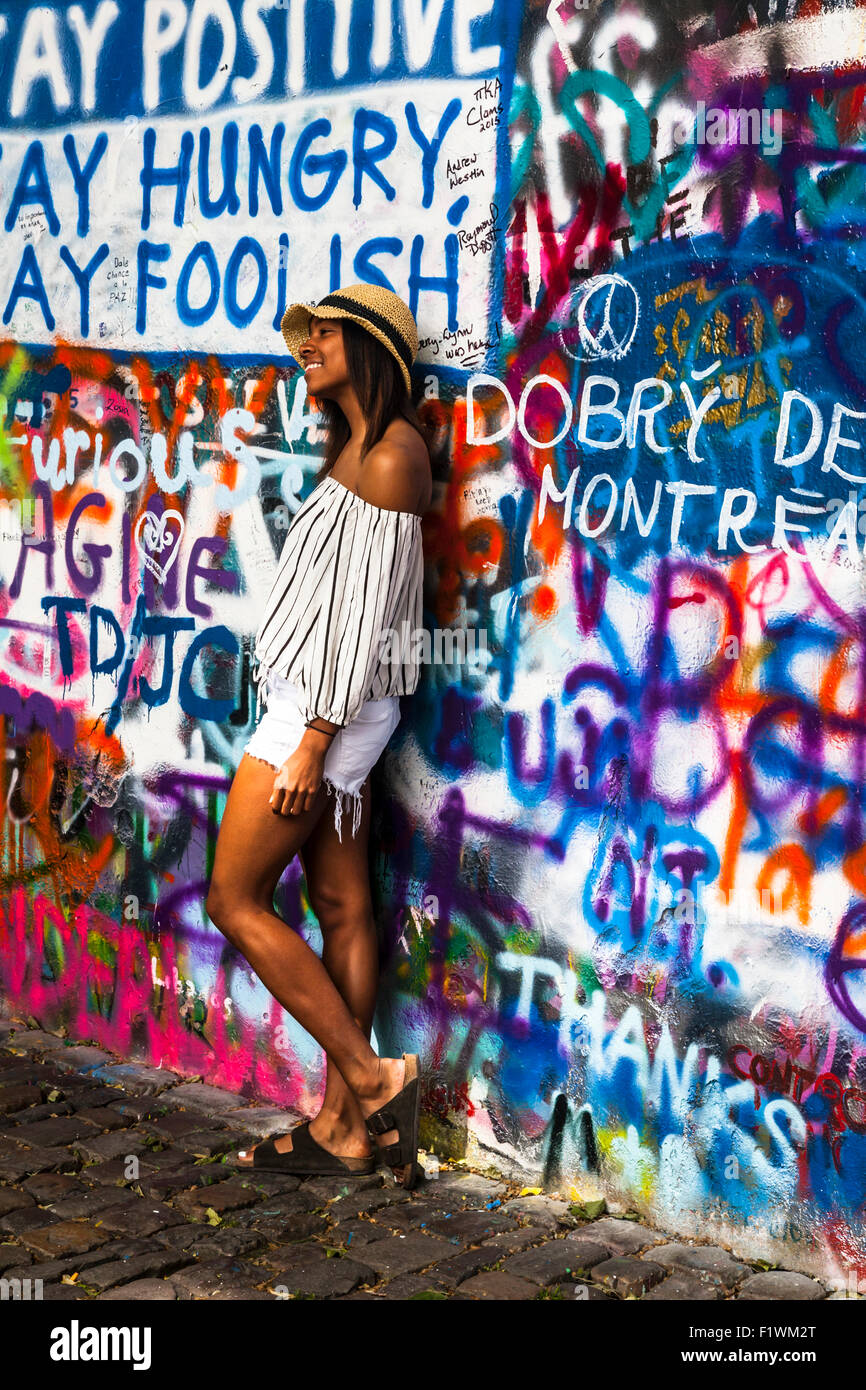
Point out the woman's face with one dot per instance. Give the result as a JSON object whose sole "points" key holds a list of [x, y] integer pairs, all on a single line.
{"points": [[324, 358]]}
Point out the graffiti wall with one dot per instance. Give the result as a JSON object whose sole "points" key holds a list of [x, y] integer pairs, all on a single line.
{"points": [[619, 842]]}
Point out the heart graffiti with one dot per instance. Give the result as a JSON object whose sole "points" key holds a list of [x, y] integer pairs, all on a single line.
{"points": [[152, 537]]}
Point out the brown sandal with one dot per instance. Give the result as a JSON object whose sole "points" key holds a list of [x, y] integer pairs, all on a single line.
{"points": [[307, 1158], [402, 1113]]}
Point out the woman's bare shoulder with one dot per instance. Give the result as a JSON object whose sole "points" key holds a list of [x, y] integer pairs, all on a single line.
{"points": [[396, 473]]}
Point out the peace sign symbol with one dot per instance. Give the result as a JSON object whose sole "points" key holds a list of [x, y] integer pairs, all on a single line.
{"points": [[846, 960], [605, 310]]}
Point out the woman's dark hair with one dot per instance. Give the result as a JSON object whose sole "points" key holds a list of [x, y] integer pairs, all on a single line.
{"points": [[381, 391]]}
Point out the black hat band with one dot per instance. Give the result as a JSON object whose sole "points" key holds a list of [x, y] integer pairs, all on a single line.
{"points": [[340, 301]]}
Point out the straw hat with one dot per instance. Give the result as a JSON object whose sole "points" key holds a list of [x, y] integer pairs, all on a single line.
{"points": [[380, 311]]}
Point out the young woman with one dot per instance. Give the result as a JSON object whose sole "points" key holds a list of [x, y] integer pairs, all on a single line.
{"points": [[350, 575]]}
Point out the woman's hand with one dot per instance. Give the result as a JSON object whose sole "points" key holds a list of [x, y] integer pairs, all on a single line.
{"points": [[298, 780]]}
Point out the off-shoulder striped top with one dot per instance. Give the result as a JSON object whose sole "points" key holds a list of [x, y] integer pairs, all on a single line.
{"points": [[344, 605]]}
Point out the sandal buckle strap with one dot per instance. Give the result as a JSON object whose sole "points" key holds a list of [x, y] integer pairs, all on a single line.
{"points": [[381, 1121]]}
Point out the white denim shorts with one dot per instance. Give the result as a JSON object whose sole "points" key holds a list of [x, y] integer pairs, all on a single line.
{"points": [[352, 752]]}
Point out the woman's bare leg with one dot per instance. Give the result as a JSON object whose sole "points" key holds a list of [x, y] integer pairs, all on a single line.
{"points": [[253, 848], [338, 884]]}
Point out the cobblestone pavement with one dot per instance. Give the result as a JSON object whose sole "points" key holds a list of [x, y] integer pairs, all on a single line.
{"points": [[192, 1227]]}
